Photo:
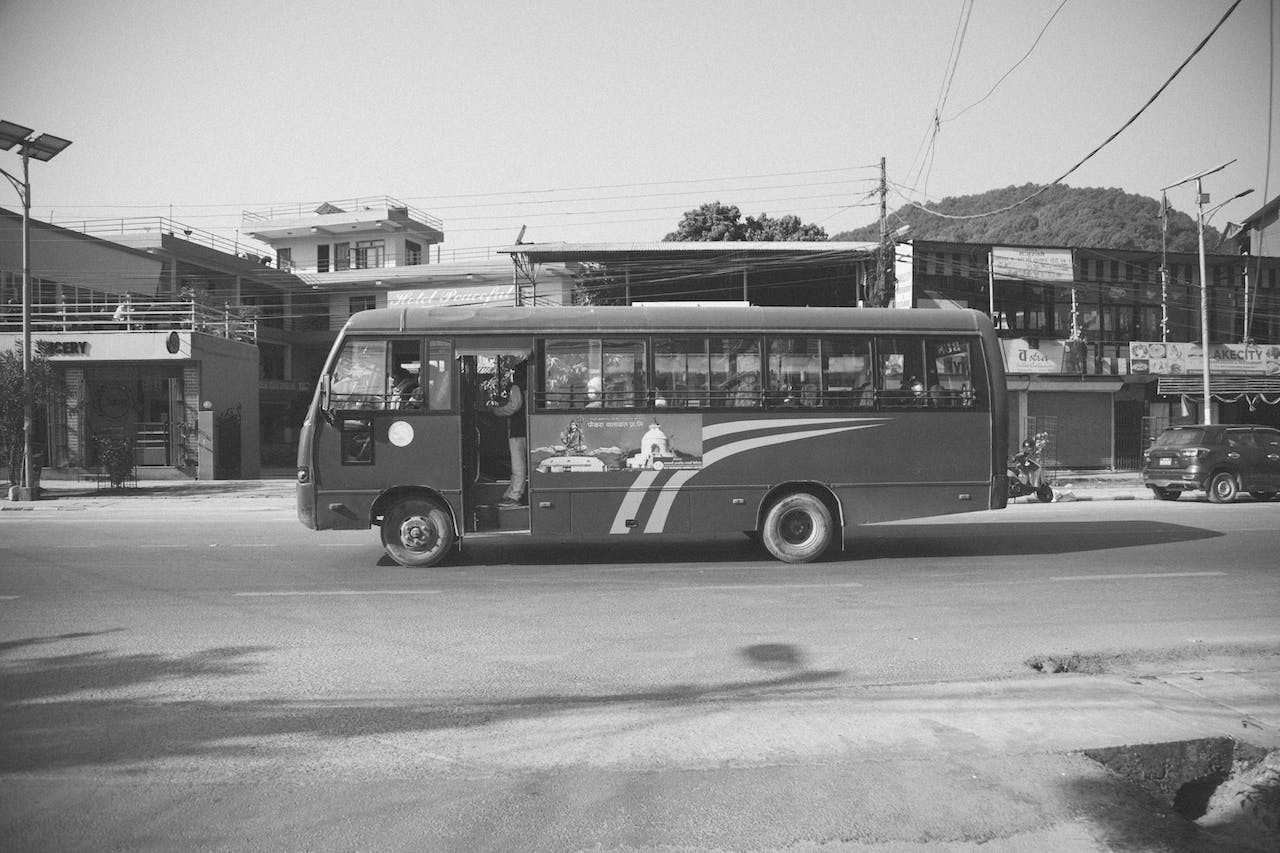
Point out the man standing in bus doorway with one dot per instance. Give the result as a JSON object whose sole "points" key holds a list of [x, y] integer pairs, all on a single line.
{"points": [[513, 411]]}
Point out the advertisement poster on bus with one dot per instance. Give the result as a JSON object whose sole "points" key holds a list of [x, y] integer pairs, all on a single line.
{"points": [[1175, 359], [578, 442]]}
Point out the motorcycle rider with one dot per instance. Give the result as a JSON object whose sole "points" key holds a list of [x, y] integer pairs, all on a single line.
{"points": [[1023, 462]]}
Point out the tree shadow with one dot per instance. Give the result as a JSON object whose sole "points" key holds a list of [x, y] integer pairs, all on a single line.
{"points": [[47, 722]]}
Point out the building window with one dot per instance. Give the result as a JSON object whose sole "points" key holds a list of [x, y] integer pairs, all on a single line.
{"points": [[412, 253], [284, 259], [362, 303], [322, 257], [368, 254], [342, 256]]}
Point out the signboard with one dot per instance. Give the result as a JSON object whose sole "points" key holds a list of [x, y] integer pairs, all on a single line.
{"points": [[441, 296], [904, 285], [1176, 359], [1032, 264], [1048, 356]]}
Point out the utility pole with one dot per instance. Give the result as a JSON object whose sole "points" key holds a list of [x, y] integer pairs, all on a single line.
{"points": [[882, 261], [1164, 267]]}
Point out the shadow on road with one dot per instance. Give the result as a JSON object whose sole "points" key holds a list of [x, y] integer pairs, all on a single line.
{"points": [[54, 714], [1021, 538], [896, 541]]}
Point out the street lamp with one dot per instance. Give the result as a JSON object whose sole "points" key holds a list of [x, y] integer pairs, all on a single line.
{"points": [[44, 147], [1201, 198]]}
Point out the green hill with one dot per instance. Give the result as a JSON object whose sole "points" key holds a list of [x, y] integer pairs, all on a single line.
{"points": [[1060, 216]]}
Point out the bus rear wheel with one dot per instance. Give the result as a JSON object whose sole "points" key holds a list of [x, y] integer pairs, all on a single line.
{"points": [[797, 528], [417, 532]]}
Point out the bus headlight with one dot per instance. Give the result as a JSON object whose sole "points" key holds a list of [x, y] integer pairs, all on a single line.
{"points": [[304, 475]]}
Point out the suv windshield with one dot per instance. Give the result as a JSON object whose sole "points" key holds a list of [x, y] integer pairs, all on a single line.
{"points": [[1180, 437]]}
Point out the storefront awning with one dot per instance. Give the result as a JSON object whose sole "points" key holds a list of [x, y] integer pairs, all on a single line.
{"points": [[1228, 385], [1064, 383]]}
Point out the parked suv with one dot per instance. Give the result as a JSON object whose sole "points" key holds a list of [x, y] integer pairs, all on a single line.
{"points": [[1222, 459]]}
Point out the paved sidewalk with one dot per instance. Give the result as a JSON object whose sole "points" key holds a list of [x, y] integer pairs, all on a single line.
{"points": [[81, 494]]}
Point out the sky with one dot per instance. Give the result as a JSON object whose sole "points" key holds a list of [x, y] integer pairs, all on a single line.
{"points": [[605, 121]]}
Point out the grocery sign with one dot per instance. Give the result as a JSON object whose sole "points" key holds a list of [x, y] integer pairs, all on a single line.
{"points": [[1175, 359]]}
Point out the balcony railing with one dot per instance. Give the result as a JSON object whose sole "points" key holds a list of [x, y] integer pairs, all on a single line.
{"points": [[139, 316]]}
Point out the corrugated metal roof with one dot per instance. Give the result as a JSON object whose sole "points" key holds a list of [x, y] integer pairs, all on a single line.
{"points": [[580, 251], [459, 274]]}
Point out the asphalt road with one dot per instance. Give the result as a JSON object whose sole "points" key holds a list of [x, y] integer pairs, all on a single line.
{"points": [[185, 674]]}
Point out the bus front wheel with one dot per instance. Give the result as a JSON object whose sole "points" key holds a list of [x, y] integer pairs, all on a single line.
{"points": [[417, 533], [797, 528]]}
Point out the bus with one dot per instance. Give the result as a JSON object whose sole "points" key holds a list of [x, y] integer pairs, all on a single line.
{"points": [[792, 425]]}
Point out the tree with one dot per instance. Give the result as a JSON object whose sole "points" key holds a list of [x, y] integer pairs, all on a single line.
{"points": [[709, 223], [723, 222], [13, 398], [788, 227]]}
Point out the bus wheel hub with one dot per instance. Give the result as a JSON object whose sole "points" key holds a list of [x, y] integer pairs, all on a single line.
{"points": [[417, 533]]}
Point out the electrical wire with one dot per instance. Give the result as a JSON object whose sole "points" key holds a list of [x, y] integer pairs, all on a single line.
{"points": [[1011, 70], [1105, 142]]}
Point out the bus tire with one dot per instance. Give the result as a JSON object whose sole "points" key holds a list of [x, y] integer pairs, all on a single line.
{"points": [[797, 528], [417, 532]]}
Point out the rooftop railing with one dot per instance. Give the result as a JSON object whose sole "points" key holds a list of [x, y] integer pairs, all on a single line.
{"points": [[344, 205], [139, 229], [137, 316]]}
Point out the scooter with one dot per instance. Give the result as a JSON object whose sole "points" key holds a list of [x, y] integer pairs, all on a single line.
{"points": [[1026, 476]]}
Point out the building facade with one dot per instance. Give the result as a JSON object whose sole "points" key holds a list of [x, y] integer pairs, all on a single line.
{"points": [[1103, 346]]}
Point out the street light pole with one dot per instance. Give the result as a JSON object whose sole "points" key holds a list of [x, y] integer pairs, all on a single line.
{"points": [[44, 147], [1201, 198]]}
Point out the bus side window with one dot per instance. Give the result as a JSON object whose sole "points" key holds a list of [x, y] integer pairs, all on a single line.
{"points": [[625, 373], [735, 372], [793, 372], [565, 369], [439, 376], [680, 372], [952, 383], [900, 363], [846, 373]]}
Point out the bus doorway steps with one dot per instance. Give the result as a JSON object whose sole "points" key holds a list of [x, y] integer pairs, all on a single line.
{"points": [[492, 518]]}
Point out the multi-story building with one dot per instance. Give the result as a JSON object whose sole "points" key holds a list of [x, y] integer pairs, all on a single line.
{"points": [[1102, 346], [239, 328]]}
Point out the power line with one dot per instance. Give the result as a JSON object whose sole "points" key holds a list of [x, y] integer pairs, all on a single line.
{"points": [[1105, 142], [1014, 68]]}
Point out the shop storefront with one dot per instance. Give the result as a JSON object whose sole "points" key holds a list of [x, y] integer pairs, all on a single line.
{"points": [[147, 389]]}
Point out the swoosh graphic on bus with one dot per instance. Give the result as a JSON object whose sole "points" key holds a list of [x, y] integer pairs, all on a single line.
{"points": [[717, 430], [671, 488], [631, 501]]}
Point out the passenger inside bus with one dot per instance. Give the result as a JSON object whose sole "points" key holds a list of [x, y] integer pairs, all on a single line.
{"points": [[404, 389]]}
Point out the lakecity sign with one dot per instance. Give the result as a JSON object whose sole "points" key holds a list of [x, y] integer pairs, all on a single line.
{"points": [[1176, 359]]}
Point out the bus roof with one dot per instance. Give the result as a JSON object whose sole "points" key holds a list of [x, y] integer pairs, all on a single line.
{"points": [[642, 319]]}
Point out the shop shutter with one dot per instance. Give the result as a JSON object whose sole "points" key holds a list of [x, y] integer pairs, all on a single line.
{"points": [[1079, 424]]}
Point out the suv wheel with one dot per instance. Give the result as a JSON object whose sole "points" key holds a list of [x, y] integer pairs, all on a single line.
{"points": [[1222, 488]]}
